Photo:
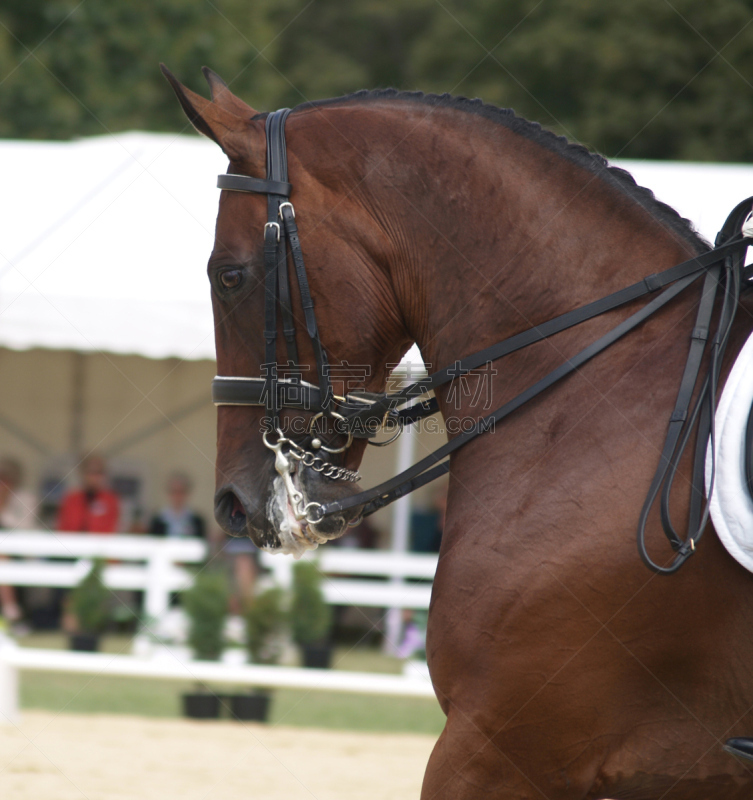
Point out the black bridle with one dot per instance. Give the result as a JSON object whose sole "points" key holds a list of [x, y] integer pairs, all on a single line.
{"points": [[279, 232], [363, 414]]}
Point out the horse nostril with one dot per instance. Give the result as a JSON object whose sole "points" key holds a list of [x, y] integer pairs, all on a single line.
{"points": [[230, 513], [237, 509]]}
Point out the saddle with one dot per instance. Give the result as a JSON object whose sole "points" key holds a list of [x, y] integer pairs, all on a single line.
{"points": [[731, 499]]}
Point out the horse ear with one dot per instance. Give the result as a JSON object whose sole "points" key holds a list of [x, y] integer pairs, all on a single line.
{"points": [[234, 133], [224, 97]]}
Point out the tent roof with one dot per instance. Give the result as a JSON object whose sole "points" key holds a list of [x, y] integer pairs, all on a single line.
{"points": [[105, 240], [105, 243]]}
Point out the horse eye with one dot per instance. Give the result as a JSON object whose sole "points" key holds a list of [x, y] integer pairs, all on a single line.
{"points": [[231, 278]]}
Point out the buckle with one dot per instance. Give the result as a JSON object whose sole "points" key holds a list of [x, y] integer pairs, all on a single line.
{"points": [[353, 396], [272, 225]]}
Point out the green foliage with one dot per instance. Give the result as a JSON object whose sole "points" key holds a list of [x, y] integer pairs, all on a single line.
{"points": [[206, 605], [90, 601], [639, 79], [310, 616], [265, 620], [80, 69]]}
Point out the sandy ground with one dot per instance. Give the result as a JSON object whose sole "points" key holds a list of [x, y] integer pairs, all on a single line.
{"points": [[101, 757]]}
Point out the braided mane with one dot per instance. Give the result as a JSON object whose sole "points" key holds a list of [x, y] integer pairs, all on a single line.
{"points": [[615, 176]]}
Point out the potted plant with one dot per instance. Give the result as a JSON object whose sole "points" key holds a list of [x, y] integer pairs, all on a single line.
{"points": [[206, 605], [89, 606], [310, 616], [265, 618]]}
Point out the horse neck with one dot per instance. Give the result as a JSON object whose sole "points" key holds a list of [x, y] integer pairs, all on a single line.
{"points": [[505, 234]]}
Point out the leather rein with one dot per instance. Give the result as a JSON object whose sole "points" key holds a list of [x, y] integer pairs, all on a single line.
{"points": [[363, 414]]}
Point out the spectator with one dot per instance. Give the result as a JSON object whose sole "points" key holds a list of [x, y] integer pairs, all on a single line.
{"points": [[16, 513], [93, 508], [176, 518]]}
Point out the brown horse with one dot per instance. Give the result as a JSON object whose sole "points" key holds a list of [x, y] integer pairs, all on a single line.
{"points": [[565, 668]]}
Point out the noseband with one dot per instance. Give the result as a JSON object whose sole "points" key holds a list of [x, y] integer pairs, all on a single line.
{"points": [[363, 414]]}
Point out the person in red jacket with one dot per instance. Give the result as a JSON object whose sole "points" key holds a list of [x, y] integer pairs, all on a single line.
{"points": [[93, 508]]}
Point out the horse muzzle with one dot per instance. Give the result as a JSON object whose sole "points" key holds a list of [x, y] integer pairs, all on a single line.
{"points": [[280, 520]]}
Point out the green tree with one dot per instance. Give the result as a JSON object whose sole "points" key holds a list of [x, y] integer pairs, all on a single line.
{"points": [[75, 69], [638, 79], [641, 79]]}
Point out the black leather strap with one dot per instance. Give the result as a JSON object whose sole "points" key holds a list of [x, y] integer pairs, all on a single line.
{"points": [[286, 307], [300, 394], [292, 392], [394, 488], [553, 326], [277, 173], [245, 183], [702, 418], [323, 377], [667, 462], [270, 326]]}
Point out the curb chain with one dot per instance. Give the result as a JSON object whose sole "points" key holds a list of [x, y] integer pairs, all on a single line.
{"points": [[318, 464]]}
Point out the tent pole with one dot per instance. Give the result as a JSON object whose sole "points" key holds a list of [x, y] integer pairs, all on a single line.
{"points": [[76, 441], [24, 435], [400, 533], [401, 515]]}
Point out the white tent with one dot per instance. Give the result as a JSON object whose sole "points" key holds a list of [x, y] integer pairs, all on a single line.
{"points": [[104, 241], [704, 193], [104, 244]]}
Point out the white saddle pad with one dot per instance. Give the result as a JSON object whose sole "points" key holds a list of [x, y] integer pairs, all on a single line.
{"points": [[731, 504]]}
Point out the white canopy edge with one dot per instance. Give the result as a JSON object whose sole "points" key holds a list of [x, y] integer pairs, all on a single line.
{"points": [[105, 240]]}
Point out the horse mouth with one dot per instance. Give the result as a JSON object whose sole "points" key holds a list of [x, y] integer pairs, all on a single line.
{"points": [[280, 532], [276, 528], [295, 536]]}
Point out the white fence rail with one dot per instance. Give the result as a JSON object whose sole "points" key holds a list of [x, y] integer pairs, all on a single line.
{"points": [[388, 570], [14, 658], [154, 569], [151, 564]]}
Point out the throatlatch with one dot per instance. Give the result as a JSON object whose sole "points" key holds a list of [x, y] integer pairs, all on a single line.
{"points": [[364, 414]]}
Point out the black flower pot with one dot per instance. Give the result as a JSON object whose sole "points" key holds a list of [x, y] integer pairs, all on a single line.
{"points": [[318, 656], [201, 706], [85, 642], [250, 707]]}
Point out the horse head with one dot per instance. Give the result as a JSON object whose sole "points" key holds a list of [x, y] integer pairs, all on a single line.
{"points": [[347, 263]]}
